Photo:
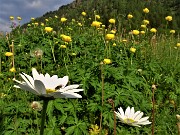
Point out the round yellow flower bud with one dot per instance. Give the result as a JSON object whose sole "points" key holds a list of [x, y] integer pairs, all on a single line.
{"points": [[142, 32], [145, 22], [12, 70], [96, 24], [168, 18], [153, 30], [48, 29], [109, 36], [146, 10], [178, 44], [143, 26], [11, 17], [132, 49], [130, 16], [8, 54], [32, 18], [135, 32], [19, 18], [97, 17], [112, 21], [107, 61], [172, 31], [63, 19], [83, 13], [63, 46], [66, 38]]}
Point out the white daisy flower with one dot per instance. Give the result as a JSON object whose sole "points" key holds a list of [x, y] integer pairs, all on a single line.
{"points": [[131, 117], [47, 86]]}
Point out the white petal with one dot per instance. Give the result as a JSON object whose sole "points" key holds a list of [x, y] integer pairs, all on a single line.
{"points": [[127, 112], [27, 79], [136, 125], [138, 116], [143, 119], [121, 111], [120, 117], [26, 87], [144, 123], [39, 86], [57, 95], [35, 74], [64, 81], [71, 95], [70, 87], [136, 113], [131, 114], [47, 76]]}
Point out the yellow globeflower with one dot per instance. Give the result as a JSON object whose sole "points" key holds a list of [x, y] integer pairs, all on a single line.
{"points": [[114, 44], [36, 23], [109, 36], [168, 18], [153, 30], [11, 17], [103, 26], [135, 32], [63, 19], [42, 24], [48, 29], [145, 22], [146, 10], [113, 31], [133, 50], [112, 21], [143, 26], [124, 40], [80, 24], [83, 13], [107, 61], [142, 32], [63, 46], [32, 18], [130, 16], [56, 16], [178, 44], [8, 54], [172, 31], [96, 24], [97, 16], [46, 20], [12, 70], [66, 38], [19, 18]]}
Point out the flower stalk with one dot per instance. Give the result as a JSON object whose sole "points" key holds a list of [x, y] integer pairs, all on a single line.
{"points": [[102, 95], [113, 108], [153, 109], [43, 115]]}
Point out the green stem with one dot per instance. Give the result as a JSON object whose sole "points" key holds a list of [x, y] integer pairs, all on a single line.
{"points": [[43, 115]]}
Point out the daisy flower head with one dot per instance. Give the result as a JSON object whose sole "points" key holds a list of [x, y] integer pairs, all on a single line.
{"points": [[132, 118], [48, 86]]}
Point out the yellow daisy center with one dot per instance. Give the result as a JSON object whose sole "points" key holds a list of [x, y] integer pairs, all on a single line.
{"points": [[50, 90], [129, 120]]}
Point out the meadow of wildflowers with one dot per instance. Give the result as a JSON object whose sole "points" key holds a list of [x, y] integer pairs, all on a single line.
{"points": [[85, 73]]}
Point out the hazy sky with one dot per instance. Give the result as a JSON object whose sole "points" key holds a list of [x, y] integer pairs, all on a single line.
{"points": [[26, 9]]}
